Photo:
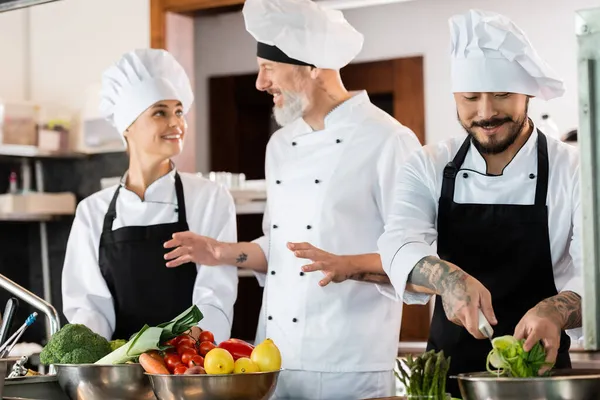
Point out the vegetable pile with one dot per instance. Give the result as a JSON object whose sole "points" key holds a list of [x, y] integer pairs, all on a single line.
{"points": [[509, 358], [151, 338], [74, 344], [196, 353], [426, 376]]}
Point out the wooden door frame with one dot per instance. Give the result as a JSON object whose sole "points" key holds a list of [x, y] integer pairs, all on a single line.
{"points": [[172, 29]]}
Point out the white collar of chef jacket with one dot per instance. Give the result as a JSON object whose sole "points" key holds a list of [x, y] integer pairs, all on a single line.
{"points": [[169, 176], [516, 166], [338, 114]]}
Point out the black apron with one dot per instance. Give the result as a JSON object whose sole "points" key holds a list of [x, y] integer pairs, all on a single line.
{"points": [[132, 263], [504, 246]]}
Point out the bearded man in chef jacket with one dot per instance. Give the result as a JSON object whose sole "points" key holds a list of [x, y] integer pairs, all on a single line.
{"points": [[503, 205], [330, 172]]}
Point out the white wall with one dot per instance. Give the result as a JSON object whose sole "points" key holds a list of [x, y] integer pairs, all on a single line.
{"points": [[72, 42], [12, 55], [414, 28]]}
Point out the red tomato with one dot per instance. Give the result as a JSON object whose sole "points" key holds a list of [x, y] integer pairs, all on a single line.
{"points": [[186, 341], [187, 356], [173, 342], [205, 347], [185, 349], [172, 361], [196, 361], [237, 348], [206, 336], [180, 369]]}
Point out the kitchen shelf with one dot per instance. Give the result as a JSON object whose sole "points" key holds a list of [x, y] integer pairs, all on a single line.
{"points": [[25, 217], [245, 273], [252, 207]]}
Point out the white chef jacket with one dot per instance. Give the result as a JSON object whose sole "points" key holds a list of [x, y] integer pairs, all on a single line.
{"points": [[412, 225], [210, 212], [333, 189]]}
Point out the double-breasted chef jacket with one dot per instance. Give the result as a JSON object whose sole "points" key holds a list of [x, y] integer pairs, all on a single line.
{"points": [[93, 292], [332, 188]]}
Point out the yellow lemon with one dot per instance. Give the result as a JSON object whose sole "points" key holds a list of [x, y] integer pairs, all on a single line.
{"points": [[218, 362], [245, 365], [267, 356]]}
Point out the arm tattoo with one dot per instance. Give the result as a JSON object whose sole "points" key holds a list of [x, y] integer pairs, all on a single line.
{"points": [[564, 308], [241, 258], [371, 277], [447, 281]]}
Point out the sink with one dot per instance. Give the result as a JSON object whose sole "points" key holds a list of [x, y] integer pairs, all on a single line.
{"points": [[33, 388]]}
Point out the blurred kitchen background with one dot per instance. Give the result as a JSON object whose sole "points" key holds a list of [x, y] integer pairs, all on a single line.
{"points": [[54, 149]]}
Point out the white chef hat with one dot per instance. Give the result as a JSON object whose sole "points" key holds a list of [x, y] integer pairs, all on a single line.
{"points": [[301, 32], [139, 79], [492, 54]]}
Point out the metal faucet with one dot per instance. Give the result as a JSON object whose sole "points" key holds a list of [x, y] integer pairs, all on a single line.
{"points": [[53, 322]]}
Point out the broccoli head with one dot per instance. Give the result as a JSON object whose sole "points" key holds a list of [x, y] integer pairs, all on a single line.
{"points": [[115, 344], [75, 344]]}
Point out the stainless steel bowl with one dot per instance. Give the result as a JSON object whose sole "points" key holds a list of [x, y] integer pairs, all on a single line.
{"points": [[5, 368], [573, 384], [255, 386], [102, 382]]}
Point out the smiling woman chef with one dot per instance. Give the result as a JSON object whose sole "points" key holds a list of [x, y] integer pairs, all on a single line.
{"points": [[114, 278]]}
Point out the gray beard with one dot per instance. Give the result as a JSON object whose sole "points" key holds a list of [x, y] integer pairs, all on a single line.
{"points": [[293, 108]]}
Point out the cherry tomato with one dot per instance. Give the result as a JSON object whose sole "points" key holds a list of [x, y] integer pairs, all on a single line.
{"points": [[184, 349], [180, 369], [187, 356], [196, 361], [205, 347], [173, 342], [186, 341], [206, 336], [172, 361]]}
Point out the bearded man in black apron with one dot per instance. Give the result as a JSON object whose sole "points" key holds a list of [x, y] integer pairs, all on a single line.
{"points": [[503, 205]]}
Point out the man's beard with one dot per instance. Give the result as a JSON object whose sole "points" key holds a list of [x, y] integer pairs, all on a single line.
{"points": [[294, 105], [494, 146]]}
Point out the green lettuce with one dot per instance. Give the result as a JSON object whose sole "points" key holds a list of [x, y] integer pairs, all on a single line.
{"points": [[509, 359]]}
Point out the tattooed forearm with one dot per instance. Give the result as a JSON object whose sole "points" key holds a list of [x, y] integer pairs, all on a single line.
{"points": [[241, 258], [371, 277], [564, 309], [436, 274]]}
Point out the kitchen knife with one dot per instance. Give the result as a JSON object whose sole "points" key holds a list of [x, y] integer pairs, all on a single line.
{"points": [[7, 318], [484, 326]]}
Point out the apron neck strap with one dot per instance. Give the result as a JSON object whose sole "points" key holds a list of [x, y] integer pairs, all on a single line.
{"points": [[541, 190], [111, 213], [451, 169]]}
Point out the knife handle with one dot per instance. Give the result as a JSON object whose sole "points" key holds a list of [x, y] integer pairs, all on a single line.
{"points": [[484, 326]]}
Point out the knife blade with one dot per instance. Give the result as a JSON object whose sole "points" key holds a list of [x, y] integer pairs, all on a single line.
{"points": [[484, 326], [7, 318]]}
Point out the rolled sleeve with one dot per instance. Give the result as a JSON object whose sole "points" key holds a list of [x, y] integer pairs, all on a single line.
{"points": [[215, 290], [264, 243], [410, 226], [394, 154]]}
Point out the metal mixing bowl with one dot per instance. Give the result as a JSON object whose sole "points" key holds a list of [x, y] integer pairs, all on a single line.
{"points": [[103, 382], [572, 384], [254, 386]]}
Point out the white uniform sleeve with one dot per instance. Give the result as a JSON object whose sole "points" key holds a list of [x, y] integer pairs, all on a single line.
{"points": [[575, 269], [85, 295], [264, 243], [410, 228], [215, 291], [394, 154]]}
